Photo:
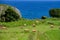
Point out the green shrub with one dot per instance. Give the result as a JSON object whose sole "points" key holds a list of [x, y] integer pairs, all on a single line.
{"points": [[54, 13], [10, 14], [43, 17]]}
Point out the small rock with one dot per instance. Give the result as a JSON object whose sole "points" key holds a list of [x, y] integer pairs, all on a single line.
{"points": [[37, 21], [33, 30], [4, 27], [34, 25], [26, 30], [52, 26], [24, 24]]}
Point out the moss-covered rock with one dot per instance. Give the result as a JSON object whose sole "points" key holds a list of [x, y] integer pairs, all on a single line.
{"points": [[9, 13]]}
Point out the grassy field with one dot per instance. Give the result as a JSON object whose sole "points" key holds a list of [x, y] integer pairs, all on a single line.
{"points": [[37, 29]]}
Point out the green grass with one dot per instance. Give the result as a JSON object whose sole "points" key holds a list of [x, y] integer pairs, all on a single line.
{"points": [[53, 34], [43, 30]]}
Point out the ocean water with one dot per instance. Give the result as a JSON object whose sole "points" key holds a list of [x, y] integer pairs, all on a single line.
{"points": [[33, 9]]}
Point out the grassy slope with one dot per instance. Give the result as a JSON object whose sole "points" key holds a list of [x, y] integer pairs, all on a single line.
{"points": [[14, 31], [53, 35]]}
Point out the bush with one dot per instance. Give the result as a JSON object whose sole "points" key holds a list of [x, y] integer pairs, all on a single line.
{"points": [[43, 17], [54, 13], [10, 14]]}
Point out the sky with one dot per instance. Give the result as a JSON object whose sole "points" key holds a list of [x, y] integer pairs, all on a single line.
{"points": [[29, 0]]}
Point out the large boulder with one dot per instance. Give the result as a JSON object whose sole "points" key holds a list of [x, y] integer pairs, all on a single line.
{"points": [[9, 13]]}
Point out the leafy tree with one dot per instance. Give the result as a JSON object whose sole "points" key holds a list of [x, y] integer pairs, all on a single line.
{"points": [[54, 13], [9, 15]]}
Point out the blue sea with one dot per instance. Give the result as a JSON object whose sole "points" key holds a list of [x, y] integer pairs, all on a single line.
{"points": [[33, 9]]}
